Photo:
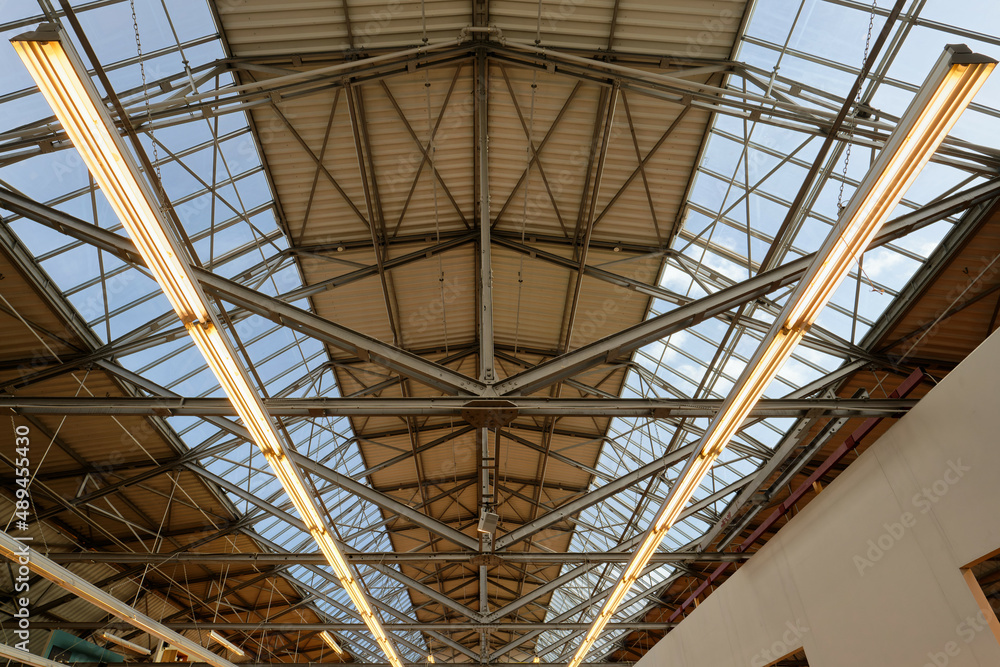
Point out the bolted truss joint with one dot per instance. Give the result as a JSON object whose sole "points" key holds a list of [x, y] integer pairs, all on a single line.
{"points": [[489, 414]]}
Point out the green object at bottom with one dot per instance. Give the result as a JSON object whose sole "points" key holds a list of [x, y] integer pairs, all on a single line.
{"points": [[68, 648]]}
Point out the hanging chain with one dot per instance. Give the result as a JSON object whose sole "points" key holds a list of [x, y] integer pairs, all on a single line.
{"points": [[145, 99], [847, 152], [857, 103]]}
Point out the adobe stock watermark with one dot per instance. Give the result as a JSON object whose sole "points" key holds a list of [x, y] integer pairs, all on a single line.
{"points": [[454, 117], [371, 24], [541, 201], [966, 631], [463, 455], [21, 521], [434, 311], [713, 29], [923, 503], [790, 640], [589, 328], [379, 18]]}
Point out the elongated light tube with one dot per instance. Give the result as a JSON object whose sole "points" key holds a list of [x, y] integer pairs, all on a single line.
{"points": [[17, 655], [124, 643], [953, 82], [331, 642], [62, 79], [56, 72], [219, 639], [17, 551]]}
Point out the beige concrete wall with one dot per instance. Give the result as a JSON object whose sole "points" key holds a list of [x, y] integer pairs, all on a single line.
{"points": [[869, 573]]}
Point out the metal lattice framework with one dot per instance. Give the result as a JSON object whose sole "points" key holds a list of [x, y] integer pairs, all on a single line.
{"points": [[501, 256]]}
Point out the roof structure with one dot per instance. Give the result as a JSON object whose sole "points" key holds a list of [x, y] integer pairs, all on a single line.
{"points": [[498, 257]]}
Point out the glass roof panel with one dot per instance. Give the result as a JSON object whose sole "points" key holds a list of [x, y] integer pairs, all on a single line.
{"points": [[212, 173], [749, 173]]}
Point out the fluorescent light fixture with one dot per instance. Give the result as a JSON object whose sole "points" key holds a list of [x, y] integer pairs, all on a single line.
{"points": [[953, 82], [16, 654], [124, 643], [331, 642], [17, 551], [55, 70], [219, 639], [62, 79]]}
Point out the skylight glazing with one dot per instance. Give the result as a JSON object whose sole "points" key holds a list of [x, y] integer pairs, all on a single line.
{"points": [[749, 174], [212, 173]]}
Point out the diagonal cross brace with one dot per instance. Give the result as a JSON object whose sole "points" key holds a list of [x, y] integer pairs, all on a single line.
{"points": [[625, 341], [338, 336]]}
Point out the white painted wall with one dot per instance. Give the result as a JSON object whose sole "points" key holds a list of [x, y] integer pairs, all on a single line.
{"points": [[929, 490]]}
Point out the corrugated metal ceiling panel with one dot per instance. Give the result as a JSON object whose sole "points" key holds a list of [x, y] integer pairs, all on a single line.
{"points": [[531, 297]]}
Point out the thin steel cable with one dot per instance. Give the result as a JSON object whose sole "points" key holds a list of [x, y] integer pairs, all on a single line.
{"points": [[157, 541], [80, 382], [82, 387], [255, 231], [709, 380], [180, 48], [947, 310], [538, 24], [432, 147], [524, 211], [423, 20]]}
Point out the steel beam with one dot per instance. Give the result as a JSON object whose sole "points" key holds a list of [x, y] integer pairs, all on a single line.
{"points": [[387, 503], [811, 185], [327, 664], [368, 271], [625, 547], [265, 626], [585, 221], [859, 434], [20, 552], [955, 240], [590, 499], [788, 444], [811, 341], [583, 608], [425, 151], [547, 373], [373, 204], [450, 407], [593, 67], [728, 101], [389, 557], [365, 347], [624, 342]]}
